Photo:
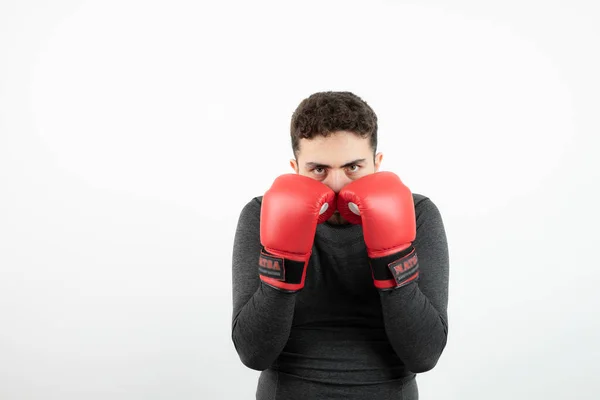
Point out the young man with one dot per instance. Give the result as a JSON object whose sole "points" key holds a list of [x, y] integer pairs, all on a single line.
{"points": [[340, 273]]}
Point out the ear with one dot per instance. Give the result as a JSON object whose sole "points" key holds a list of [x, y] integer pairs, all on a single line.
{"points": [[378, 159], [294, 165]]}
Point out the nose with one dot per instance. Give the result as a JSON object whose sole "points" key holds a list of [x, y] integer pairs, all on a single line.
{"points": [[336, 180]]}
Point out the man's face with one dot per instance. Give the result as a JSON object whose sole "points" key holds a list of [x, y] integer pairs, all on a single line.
{"points": [[336, 160]]}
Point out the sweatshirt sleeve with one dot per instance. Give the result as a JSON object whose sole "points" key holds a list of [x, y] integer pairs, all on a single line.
{"points": [[262, 315], [415, 315]]}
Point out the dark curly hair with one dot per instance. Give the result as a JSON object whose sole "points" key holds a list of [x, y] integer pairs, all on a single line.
{"points": [[326, 112]]}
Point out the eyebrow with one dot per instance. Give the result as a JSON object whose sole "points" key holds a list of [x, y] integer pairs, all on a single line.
{"points": [[318, 165]]}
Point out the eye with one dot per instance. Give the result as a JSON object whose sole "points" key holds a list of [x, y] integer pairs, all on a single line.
{"points": [[353, 168], [319, 170]]}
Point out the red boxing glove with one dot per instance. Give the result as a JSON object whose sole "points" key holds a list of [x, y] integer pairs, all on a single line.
{"points": [[385, 208], [290, 212]]}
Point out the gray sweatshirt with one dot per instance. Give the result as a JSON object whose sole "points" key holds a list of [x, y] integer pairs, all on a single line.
{"points": [[339, 335]]}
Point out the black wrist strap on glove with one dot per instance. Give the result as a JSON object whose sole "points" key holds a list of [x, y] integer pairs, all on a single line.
{"points": [[279, 268], [396, 270]]}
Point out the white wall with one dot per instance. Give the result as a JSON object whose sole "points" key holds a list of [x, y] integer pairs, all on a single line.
{"points": [[133, 132]]}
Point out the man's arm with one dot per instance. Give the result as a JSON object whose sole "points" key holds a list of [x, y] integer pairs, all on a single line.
{"points": [[262, 315], [271, 251], [415, 315], [408, 254]]}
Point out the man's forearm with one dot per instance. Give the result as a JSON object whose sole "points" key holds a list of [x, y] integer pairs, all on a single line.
{"points": [[262, 327], [416, 330]]}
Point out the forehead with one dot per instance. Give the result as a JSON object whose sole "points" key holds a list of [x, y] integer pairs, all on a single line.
{"points": [[336, 149]]}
